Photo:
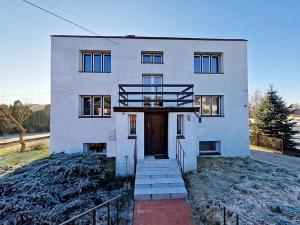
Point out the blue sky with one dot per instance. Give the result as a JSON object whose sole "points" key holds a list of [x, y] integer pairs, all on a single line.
{"points": [[272, 28]]}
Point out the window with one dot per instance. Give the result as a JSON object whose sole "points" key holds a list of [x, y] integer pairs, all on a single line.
{"points": [[152, 57], [132, 125], [152, 79], [208, 146], [206, 63], [96, 106], [99, 148], [96, 62], [180, 125], [209, 105]]}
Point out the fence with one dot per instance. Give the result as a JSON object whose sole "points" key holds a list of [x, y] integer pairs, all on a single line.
{"points": [[268, 142]]}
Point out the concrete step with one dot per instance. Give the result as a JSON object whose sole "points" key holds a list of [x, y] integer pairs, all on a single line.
{"points": [[159, 182], [144, 174], [160, 193], [156, 164]]}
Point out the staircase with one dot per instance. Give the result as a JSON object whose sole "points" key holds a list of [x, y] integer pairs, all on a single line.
{"points": [[158, 179]]}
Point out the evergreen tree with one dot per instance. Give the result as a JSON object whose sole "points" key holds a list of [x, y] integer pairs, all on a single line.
{"points": [[271, 118]]}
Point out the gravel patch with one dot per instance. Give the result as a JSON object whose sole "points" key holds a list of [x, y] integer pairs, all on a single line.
{"points": [[266, 194]]}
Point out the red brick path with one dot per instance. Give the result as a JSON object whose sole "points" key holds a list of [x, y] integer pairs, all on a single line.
{"points": [[162, 212]]}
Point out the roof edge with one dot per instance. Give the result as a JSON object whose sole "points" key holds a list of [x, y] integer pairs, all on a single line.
{"points": [[151, 37]]}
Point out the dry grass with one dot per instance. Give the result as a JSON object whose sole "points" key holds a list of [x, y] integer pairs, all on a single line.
{"points": [[265, 193]]}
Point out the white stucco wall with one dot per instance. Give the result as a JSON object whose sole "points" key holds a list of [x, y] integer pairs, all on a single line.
{"points": [[69, 132]]}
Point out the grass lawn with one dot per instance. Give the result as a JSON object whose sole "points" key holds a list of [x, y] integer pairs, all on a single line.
{"points": [[11, 158], [266, 194]]}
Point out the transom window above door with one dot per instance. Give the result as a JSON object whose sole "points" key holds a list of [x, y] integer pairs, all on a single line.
{"points": [[152, 57], [96, 61], [151, 97]]}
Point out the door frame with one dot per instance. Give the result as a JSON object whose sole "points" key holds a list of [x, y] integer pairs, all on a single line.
{"points": [[146, 139]]}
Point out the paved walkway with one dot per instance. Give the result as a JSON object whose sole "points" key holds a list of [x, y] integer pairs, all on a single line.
{"points": [[27, 136], [162, 212], [277, 159]]}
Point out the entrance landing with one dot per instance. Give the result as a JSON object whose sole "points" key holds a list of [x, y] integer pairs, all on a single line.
{"points": [[162, 212]]}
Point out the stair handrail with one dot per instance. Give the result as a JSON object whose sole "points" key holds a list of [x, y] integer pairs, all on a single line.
{"points": [[238, 215], [94, 211], [180, 156], [135, 157]]}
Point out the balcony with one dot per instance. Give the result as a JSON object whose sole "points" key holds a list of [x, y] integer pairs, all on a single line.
{"points": [[156, 96]]}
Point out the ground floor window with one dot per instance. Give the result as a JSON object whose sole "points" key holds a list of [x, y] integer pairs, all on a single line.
{"points": [[210, 105], [180, 120], [96, 106], [209, 146], [132, 125], [99, 148]]}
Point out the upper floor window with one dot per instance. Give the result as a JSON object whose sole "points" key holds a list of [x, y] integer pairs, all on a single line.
{"points": [[210, 105], [207, 63], [96, 106], [152, 57], [97, 62]]}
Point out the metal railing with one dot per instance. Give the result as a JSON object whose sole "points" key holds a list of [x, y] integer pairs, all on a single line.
{"points": [[180, 156], [93, 212], [180, 94], [238, 216]]}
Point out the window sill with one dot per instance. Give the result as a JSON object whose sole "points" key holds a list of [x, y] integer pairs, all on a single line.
{"points": [[151, 63], [132, 137], [180, 137], [212, 116], [94, 116], [94, 72], [209, 73]]}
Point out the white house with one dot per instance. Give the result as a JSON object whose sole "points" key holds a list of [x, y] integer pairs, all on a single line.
{"points": [[153, 96]]}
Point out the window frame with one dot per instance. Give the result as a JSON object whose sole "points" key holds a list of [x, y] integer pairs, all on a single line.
{"points": [[220, 105], [210, 56], [152, 54], [92, 114], [181, 122], [92, 54], [129, 125]]}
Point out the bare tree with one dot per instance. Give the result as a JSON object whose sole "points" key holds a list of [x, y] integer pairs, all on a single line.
{"points": [[16, 115]]}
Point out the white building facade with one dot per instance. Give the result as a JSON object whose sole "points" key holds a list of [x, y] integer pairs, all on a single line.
{"points": [[134, 97]]}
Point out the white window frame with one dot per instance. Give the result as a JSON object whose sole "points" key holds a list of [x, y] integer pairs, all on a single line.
{"points": [[202, 71], [101, 61], [200, 58], [157, 54], [101, 105], [82, 105], [152, 54], [103, 66], [181, 116], [218, 63], [220, 105], [83, 61], [129, 125], [104, 115]]}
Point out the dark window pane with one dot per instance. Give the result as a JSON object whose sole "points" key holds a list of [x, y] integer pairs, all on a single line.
{"points": [[132, 124], [215, 105], [107, 105], [87, 62], [179, 124], [197, 64], [205, 68], [206, 105], [107, 64], [97, 63], [146, 58], [208, 146], [97, 106], [157, 58], [97, 148], [214, 64], [86, 106]]}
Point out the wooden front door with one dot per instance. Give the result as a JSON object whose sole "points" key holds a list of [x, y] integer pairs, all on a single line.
{"points": [[156, 134]]}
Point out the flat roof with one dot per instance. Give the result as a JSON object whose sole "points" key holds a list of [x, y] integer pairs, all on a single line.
{"points": [[150, 37]]}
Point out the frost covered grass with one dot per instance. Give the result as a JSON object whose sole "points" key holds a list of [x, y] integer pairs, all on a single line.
{"points": [[11, 158], [56, 188], [264, 193]]}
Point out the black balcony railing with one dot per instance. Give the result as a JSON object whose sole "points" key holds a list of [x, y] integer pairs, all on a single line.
{"points": [[156, 94]]}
